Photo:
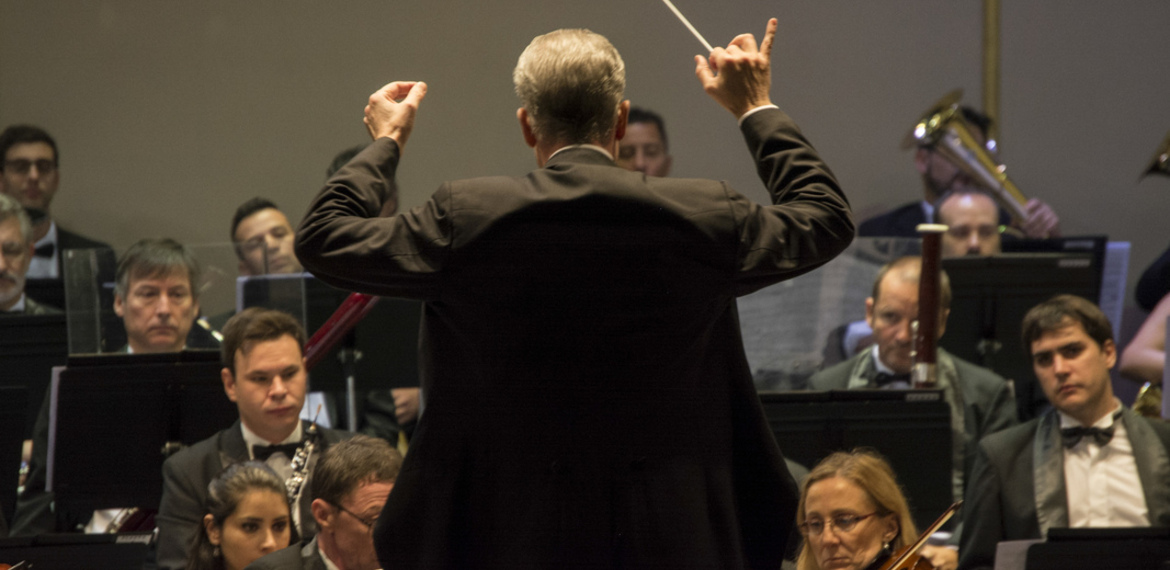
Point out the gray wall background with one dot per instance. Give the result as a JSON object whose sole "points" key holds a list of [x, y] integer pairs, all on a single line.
{"points": [[169, 114]]}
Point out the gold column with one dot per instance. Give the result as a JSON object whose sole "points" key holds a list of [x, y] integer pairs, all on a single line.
{"points": [[991, 64]]}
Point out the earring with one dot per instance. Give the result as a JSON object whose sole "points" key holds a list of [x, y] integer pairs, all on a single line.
{"points": [[215, 551], [886, 546]]}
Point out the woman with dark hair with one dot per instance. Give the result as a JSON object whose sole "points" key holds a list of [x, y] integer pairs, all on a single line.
{"points": [[247, 517]]}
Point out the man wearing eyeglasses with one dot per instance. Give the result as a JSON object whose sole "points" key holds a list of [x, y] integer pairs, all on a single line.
{"points": [[29, 173], [351, 484]]}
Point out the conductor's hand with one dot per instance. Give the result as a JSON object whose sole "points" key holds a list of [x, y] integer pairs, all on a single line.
{"points": [[739, 77], [391, 110]]}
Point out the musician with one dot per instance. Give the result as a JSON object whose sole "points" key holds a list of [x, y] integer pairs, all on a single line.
{"points": [[156, 293], [939, 176], [853, 515], [263, 239], [588, 311], [351, 484], [247, 517], [981, 401], [16, 253], [1089, 462], [30, 174], [644, 148], [971, 217], [264, 375]]}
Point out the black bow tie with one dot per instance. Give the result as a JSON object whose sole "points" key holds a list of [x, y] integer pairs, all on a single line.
{"points": [[263, 452], [883, 379], [45, 250], [1071, 436]]}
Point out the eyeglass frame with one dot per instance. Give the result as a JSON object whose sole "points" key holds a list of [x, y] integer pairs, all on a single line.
{"points": [[837, 528], [369, 524], [23, 166]]}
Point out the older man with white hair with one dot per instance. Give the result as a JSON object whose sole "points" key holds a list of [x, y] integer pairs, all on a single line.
{"points": [[589, 404]]}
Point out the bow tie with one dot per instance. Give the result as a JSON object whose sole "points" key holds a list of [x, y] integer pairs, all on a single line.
{"points": [[263, 452], [1071, 436], [883, 379], [45, 250]]}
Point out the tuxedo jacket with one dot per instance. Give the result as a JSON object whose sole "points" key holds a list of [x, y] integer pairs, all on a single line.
{"points": [[589, 403], [1017, 489], [295, 557], [186, 475], [983, 405]]}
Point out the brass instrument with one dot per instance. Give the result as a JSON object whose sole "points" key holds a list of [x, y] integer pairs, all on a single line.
{"points": [[1160, 164], [943, 129]]}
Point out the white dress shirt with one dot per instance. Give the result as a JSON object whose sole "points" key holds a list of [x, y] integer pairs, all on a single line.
{"points": [[1101, 482]]}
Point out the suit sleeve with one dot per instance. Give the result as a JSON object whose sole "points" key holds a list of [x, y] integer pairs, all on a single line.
{"points": [[344, 229], [179, 515], [809, 221], [982, 516]]}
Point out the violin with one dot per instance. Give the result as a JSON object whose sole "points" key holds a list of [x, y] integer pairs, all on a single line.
{"points": [[907, 557]]}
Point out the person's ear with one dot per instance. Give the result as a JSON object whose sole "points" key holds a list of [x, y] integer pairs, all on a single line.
{"points": [[213, 532], [322, 513], [526, 126], [869, 312], [623, 119], [229, 383], [119, 307]]}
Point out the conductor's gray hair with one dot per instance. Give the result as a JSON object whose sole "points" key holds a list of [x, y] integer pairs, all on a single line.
{"points": [[571, 82]]}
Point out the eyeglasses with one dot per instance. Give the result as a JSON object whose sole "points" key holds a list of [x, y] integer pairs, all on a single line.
{"points": [[369, 523], [23, 166], [842, 523]]}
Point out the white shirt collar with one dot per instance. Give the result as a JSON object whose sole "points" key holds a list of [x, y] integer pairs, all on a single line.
{"points": [[250, 438], [928, 212], [19, 306], [588, 146], [877, 361], [1067, 421]]}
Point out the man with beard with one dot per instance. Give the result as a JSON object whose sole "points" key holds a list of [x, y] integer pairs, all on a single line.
{"points": [[16, 253]]}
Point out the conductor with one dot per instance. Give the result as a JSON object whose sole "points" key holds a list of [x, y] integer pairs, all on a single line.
{"points": [[589, 404]]}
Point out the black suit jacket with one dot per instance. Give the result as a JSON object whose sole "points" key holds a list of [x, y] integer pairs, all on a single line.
{"points": [[588, 399], [185, 478], [1005, 502]]}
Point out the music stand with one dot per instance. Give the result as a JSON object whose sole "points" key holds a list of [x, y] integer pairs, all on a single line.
{"points": [[13, 406], [991, 296], [30, 346], [1141, 548], [910, 428], [114, 419], [67, 551]]}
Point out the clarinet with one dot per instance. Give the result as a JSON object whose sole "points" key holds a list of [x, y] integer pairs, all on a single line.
{"points": [[300, 464]]}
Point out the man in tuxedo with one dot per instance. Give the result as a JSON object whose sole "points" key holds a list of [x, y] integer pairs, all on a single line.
{"points": [[263, 239], [350, 487], [1089, 462], [156, 294], [644, 147], [264, 374], [16, 253], [29, 173], [981, 401], [971, 217], [586, 311], [939, 176]]}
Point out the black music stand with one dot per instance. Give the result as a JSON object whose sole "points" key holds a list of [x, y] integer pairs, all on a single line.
{"points": [[30, 346], [1093, 548], [911, 428], [70, 551], [115, 418], [991, 296], [13, 408]]}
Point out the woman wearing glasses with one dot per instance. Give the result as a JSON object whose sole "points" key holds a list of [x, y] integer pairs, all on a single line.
{"points": [[248, 517], [853, 515]]}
